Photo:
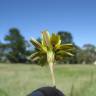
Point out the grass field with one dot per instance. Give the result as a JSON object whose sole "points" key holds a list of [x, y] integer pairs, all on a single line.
{"points": [[73, 80]]}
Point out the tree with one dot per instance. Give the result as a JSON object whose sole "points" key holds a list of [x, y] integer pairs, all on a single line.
{"points": [[90, 51], [74, 59], [66, 37], [87, 54], [49, 50], [1, 52], [17, 46]]}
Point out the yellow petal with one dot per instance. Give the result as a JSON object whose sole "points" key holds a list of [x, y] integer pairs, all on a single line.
{"points": [[36, 43], [46, 39]]}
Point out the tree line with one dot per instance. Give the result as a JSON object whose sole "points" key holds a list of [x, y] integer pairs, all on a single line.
{"points": [[15, 49]]}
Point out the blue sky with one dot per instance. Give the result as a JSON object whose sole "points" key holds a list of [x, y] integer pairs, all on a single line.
{"points": [[33, 16]]}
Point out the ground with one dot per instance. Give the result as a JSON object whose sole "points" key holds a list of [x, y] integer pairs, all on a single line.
{"points": [[73, 80]]}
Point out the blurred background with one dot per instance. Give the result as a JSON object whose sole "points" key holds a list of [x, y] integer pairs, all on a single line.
{"points": [[73, 20]]}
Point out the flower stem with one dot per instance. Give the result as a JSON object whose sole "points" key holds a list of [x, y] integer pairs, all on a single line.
{"points": [[52, 73]]}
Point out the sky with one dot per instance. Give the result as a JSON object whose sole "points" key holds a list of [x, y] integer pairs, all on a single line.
{"points": [[33, 16]]}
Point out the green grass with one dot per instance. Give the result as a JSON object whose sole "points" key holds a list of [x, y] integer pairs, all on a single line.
{"points": [[73, 80]]}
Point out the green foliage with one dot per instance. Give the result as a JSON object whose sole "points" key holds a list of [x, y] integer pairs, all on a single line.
{"points": [[66, 37], [17, 46], [87, 54], [15, 49]]}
